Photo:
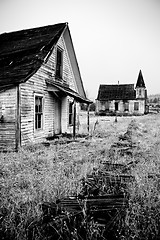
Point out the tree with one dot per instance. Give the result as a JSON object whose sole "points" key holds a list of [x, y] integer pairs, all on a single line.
{"points": [[155, 100]]}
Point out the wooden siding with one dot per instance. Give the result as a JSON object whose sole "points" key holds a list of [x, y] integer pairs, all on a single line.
{"points": [[68, 75], [74, 64], [37, 85], [102, 106], [67, 70], [8, 101]]}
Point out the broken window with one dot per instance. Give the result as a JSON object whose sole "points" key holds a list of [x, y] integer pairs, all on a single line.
{"points": [[38, 112], [59, 63]]}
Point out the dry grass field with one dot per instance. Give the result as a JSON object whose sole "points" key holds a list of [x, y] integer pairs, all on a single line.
{"points": [[40, 173]]}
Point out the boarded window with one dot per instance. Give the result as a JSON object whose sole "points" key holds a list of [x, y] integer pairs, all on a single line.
{"points": [[136, 106], [59, 63], [70, 113], [38, 112]]}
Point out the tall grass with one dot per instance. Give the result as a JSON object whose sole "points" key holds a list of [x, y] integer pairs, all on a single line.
{"points": [[143, 212], [38, 174]]}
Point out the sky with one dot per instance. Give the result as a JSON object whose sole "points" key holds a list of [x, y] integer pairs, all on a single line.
{"points": [[113, 39]]}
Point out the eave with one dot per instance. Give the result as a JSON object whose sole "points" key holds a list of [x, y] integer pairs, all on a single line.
{"points": [[54, 87]]}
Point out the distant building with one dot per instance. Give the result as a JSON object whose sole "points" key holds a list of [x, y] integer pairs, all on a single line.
{"points": [[122, 99]]}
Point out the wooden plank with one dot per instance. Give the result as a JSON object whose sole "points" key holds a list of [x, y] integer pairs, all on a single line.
{"points": [[7, 127], [113, 166], [94, 204], [71, 204]]}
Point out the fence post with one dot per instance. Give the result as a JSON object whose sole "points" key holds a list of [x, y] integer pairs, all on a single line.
{"points": [[88, 118]]}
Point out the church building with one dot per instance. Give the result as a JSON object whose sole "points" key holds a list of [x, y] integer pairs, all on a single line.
{"points": [[122, 99]]}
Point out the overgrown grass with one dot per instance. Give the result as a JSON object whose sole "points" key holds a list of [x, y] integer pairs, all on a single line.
{"points": [[38, 174], [143, 213]]}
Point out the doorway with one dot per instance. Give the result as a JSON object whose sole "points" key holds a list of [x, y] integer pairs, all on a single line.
{"points": [[57, 116], [116, 106]]}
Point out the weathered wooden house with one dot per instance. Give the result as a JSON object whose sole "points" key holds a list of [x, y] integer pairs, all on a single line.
{"points": [[40, 84], [122, 99]]}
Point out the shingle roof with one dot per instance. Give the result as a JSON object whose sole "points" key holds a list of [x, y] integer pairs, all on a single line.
{"points": [[116, 92], [140, 80], [22, 52]]}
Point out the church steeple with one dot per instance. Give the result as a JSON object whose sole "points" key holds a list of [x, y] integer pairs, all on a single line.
{"points": [[141, 91], [140, 81]]}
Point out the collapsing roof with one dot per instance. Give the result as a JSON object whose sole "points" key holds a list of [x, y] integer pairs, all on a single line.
{"points": [[23, 52], [116, 92]]}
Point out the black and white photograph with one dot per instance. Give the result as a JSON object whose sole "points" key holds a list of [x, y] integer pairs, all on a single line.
{"points": [[80, 120]]}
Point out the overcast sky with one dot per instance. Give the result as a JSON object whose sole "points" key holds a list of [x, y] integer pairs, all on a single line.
{"points": [[113, 39]]}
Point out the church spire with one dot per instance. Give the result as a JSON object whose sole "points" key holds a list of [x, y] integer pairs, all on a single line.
{"points": [[140, 80]]}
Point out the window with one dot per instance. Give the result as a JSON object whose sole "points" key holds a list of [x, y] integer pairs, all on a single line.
{"points": [[38, 112], [59, 63], [70, 113], [140, 92], [126, 106], [136, 106], [103, 105], [107, 106]]}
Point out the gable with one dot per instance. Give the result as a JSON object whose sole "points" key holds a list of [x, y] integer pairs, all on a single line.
{"points": [[74, 63], [68, 76]]}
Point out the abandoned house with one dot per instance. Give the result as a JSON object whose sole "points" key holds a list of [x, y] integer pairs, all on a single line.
{"points": [[40, 85], [122, 99]]}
